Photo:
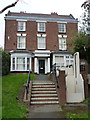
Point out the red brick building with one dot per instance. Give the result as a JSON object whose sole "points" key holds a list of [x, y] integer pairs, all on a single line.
{"points": [[37, 41]]}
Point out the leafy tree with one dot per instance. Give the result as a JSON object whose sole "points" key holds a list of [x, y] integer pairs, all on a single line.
{"points": [[82, 45], [5, 62]]}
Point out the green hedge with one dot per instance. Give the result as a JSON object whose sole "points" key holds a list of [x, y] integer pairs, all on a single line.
{"points": [[5, 62]]}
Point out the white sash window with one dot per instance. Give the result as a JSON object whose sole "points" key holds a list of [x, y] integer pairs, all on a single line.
{"points": [[41, 42], [21, 26], [20, 63], [59, 60], [21, 42], [62, 28], [41, 27], [62, 44]]}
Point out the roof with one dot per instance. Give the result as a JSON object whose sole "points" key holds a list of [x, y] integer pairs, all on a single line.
{"points": [[20, 51], [62, 52], [52, 16]]}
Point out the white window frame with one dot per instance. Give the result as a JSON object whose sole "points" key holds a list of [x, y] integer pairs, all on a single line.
{"points": [[20, 64], [13, 63], [61, 27], [41, 27], [41, 42], [21, 43], [21, 26], [62, 43]]}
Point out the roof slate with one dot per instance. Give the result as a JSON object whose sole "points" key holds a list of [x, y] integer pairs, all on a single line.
{"points": [[40, 15]]}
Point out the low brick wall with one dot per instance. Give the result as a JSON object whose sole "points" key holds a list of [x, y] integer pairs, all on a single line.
{"points": [[61, 91], [85, 77]]}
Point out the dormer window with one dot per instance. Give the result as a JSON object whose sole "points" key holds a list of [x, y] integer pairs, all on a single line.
{"points": [[21, 26], [41, 27], [62, 28]]}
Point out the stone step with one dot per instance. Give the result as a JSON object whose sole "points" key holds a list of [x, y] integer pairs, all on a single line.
{"points": [[43, 92], [44, 102], [43, 83], [44, 86], [45, 89], [44, 99], [44, 95]]}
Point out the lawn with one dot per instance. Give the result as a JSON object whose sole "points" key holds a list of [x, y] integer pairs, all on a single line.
{"points": [[0, 97], [11, 106]]}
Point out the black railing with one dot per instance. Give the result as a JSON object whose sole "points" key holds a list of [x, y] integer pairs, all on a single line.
{"points": [[27, 85], [54, 69]]}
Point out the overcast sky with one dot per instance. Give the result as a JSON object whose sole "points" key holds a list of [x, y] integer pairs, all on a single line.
{"points": [[62, 7]]}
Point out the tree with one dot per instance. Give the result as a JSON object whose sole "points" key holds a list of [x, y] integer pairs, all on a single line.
{"points": [[82, 45], [86, 16], [12, 5]]}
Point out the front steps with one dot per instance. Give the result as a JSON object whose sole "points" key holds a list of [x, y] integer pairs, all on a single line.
{"points": [[44, 93]]}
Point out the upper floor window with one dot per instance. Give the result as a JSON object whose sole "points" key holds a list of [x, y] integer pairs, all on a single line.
{"points": [[41, 42], [21, 42], [41, 27], [62, 28], [21, 26], [62, 44]]}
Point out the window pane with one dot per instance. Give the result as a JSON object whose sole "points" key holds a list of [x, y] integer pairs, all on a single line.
{"points": [[41, 27], [21, 26], [62, 44], [62, 28], [13, 64], [20, 63], [41, 42], [21, 42]]}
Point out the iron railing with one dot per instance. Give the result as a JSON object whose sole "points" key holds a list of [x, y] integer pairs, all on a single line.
{"points": [[54, 68], [27, 85]]}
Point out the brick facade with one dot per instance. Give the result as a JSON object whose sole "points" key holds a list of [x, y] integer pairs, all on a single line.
{"points": [[31, 34]]}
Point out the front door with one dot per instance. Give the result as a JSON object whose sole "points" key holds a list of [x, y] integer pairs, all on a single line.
{"points": [[42, 66]]}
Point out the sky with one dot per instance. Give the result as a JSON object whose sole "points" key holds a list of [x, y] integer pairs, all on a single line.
{"points": [[62, 7]]}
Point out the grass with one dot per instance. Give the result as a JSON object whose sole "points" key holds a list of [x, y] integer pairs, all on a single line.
{"points": [[73, 115], [0, 97], [75, 112], [11, 107]]}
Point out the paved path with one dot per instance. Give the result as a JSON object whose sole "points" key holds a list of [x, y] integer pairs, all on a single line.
{"points": [[45, 111]]}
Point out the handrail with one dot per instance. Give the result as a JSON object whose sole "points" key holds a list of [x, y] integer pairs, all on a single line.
{"points": [[27, 85], [54, 69]]}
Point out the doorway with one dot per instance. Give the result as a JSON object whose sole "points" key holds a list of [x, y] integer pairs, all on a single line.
{"points": [[42, 66]]}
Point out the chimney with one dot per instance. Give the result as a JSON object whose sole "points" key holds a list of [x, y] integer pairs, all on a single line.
{"points": [[54, 13]]}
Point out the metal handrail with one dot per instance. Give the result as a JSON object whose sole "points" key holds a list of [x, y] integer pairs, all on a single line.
{"points": [[27, 85], [54, 69]]}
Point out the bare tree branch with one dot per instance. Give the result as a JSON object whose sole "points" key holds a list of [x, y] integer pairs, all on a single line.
{"points": [[12, 5]]}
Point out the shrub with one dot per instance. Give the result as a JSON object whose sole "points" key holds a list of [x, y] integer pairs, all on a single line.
{"points": [[5, 62]]}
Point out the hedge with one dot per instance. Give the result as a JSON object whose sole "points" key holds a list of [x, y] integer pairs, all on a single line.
{"points": [[5, 62]]}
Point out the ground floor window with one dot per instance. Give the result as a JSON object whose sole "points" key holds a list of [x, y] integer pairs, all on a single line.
{"points": [[20, 63], [63, 60]]}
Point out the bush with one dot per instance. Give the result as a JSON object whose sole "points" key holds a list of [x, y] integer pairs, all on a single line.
{"points": [[5, 62]]}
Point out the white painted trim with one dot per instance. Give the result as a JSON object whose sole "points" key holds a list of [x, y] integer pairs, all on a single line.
{"points": [[19, 34], [61, 22], [48, 65], [44, 35], [65, 36], [21, 20], [41, 21], [38, 35], [60, 36]]}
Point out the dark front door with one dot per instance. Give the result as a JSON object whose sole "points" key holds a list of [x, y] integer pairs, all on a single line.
{"points": [[41, 66]]}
